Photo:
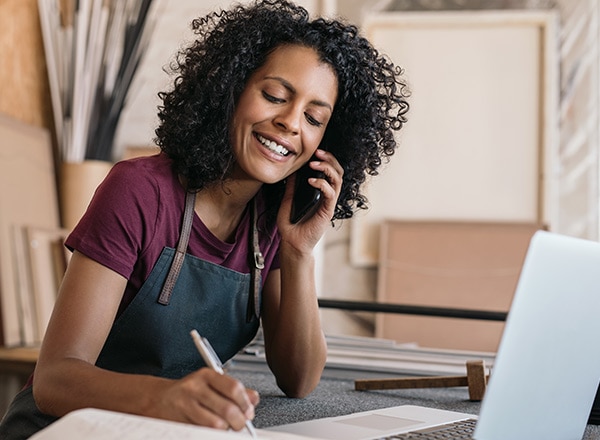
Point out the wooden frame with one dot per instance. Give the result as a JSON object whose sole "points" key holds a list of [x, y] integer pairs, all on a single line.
{"points": [[482, 132]]}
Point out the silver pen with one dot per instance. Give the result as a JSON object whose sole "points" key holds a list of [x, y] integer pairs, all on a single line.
{"points": [[212, 361]]}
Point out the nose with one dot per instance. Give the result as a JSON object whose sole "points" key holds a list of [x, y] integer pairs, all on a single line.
{"points": [[288, 119]]}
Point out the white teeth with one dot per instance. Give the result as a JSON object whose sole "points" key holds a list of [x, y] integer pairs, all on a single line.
{"points": [[273, 146]]}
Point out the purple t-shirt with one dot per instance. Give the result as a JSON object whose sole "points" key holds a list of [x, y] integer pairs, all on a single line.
{"points": [[138, 210]]}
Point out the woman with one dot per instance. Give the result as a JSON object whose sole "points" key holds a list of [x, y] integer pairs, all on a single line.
{"points": [[199, 236]]}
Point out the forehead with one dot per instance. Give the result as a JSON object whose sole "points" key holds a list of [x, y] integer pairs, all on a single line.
{"points": [[302, 67]]}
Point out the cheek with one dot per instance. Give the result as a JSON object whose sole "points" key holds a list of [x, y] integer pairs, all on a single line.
{"points": [[238, 124], [240, 113], [315, 141]]}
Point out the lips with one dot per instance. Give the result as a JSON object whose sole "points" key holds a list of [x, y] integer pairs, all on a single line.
{"points": [[273, 146]]}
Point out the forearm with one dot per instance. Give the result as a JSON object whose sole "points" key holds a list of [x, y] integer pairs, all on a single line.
{"points": [[71, 384], [296, 348], [203, 397]]}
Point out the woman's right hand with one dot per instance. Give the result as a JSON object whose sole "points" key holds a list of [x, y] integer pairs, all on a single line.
{"points": [[66, 377], [207, 398]]}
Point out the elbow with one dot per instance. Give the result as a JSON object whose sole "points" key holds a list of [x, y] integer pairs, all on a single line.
{"points": [[302, 381], [298, 389], [42, 397], [46, 391], [298, 373]]}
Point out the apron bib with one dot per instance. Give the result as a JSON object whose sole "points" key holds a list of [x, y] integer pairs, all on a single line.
{"points": [[152, 338], [183, 292]]}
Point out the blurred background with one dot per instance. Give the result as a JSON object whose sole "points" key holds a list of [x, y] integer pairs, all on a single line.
{"points": [[503, 130]]}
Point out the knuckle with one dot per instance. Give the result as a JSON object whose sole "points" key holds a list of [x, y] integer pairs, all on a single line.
{"points": [[236, 388], [230, 412], [217, 423]]}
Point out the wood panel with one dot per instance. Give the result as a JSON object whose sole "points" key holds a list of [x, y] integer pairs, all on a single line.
{"points": [[23, 79], [465, 265], [27, 198]]}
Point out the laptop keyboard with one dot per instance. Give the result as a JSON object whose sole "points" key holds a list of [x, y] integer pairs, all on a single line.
{"points": [[458, 430]]}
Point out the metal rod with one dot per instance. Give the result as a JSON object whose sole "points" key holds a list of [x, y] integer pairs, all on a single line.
{"points": [[367, 306]]}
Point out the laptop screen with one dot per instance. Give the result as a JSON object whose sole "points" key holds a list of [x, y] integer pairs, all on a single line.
{"points": [[595, 414]]}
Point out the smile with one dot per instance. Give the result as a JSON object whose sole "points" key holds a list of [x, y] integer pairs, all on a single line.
{"points": [[273, 146]]}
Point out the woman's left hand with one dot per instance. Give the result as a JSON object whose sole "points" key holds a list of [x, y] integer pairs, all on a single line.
{"points": [[305, 234]]}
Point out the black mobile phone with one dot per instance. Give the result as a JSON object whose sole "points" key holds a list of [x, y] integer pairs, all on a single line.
{"points": [[306, 197]]}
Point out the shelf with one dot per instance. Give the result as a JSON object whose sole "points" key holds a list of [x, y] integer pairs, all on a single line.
{"points": [[18, 360]]}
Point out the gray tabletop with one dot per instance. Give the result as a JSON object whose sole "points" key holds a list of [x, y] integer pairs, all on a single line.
{"points": [[335, 395]]}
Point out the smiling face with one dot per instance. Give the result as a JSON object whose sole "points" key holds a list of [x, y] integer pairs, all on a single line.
{"points": [[281, 115]]}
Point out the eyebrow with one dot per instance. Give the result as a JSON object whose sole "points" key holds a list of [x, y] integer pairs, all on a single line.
{"points": [[292, 89]]}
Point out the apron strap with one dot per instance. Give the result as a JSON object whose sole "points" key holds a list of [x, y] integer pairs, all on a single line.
{"points": [[188, 218], [257, 263]]}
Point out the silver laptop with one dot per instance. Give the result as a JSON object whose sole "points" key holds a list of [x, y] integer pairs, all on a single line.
{"points": [[547, 368]]}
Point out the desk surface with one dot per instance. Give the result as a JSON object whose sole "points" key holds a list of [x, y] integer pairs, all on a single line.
{"points": [[334, 397]]}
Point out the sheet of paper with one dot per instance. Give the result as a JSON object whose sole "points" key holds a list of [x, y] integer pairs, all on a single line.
{"points": [[96, 424]]}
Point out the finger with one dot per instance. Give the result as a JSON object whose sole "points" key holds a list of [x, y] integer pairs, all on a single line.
{"points": [[235, 391], [203, 416], [331, 182], [193, 401], [329, 158], [331, 169], [236, 406], [253, 396], [219, 401], [216, 411], [327, 189]]}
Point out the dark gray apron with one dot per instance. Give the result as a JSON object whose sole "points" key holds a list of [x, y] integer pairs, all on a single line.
{"points": [[152, 335]]}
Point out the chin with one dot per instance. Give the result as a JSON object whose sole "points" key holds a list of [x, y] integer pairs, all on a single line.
{"points": [[271, 181]]}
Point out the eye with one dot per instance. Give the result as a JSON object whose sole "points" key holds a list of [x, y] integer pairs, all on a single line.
{"points": [[313, 121], [272, 98]]}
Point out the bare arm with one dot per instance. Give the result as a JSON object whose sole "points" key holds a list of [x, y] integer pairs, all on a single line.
{"points": [[294, 342], [66, 378]]}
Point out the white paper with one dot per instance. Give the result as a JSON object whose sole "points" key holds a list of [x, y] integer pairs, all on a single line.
{"points": [[96, 424]]}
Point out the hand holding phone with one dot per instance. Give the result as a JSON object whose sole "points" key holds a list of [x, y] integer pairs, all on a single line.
{"points": [[306, 197]]}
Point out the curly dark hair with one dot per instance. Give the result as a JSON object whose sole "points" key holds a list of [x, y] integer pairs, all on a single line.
{"points": [[212, 72]]}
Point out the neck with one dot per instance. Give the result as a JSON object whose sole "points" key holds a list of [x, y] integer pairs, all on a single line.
{"points": [[221, 208]]}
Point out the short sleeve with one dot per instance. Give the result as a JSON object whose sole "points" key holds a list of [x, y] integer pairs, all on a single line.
{"points": [[120, 219]]}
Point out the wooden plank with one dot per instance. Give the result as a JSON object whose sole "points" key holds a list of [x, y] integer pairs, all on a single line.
{"points": [[25, 90], [27, 197], [46, 271], [470, 265], [18, 360]]}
